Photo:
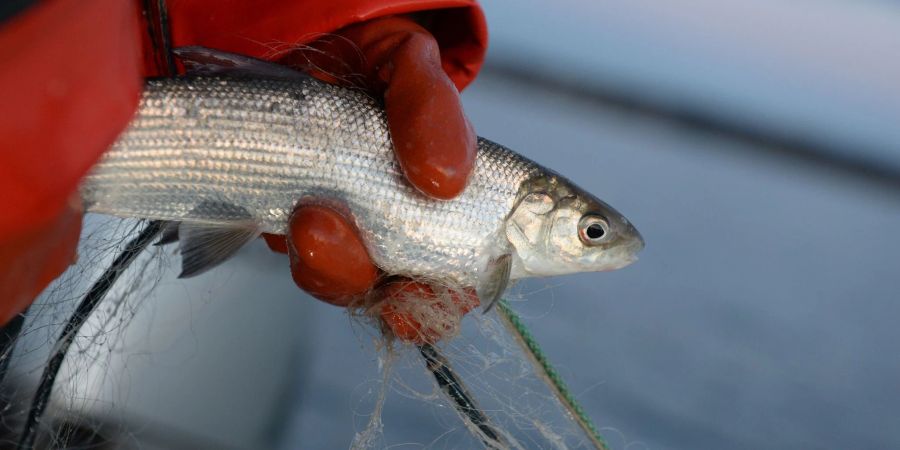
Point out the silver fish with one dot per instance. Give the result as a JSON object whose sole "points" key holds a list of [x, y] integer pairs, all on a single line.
{"points": [[230, 156]]}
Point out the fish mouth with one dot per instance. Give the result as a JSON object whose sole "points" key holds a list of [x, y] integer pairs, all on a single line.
{"points": [[635, 246], [639, 240], [624, 255], [632, 241], [626, 260]]}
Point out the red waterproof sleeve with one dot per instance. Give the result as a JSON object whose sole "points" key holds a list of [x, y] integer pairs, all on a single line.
{"points": [[70, 77]]}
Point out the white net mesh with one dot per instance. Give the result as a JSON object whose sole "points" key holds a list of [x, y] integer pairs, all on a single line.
{"points": [[100, 395]]}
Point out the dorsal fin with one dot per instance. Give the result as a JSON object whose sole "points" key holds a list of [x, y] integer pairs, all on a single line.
{"points": [[207, 61]]}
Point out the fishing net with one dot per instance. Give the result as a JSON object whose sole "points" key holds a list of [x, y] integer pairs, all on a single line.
{"points": [[408, 397]]}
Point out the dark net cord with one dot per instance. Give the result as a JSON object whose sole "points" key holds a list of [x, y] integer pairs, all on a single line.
{"points": [[452, 386]]}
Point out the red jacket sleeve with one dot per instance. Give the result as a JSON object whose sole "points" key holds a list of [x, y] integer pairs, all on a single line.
{"points": [[71, 71]]}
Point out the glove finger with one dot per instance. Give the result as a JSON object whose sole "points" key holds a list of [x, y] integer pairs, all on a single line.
{"points": [[433, 140], [398, 59], [276, 242], [328, 258]]}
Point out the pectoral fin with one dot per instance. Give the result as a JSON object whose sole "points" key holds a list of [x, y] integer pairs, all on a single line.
{"points": [[211, 233], [169, 234], [206, 245], [494, 282]]}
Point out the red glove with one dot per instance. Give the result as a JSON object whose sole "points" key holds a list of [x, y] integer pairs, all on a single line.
{"points": [[433, 141]]}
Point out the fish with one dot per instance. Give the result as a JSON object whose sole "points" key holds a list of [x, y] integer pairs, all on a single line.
{"points": [[229, 151]]}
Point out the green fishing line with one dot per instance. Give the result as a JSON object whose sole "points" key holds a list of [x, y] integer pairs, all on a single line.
{"points": [[551, 376]]}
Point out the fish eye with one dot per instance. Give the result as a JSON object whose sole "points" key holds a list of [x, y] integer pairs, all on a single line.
{"points": [[593, 229]]}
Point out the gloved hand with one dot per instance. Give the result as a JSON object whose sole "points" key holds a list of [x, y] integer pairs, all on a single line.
{"points": [[398, 60], [433, 141]]}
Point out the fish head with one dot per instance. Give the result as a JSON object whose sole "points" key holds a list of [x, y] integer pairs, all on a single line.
{"points": [[557, 228]]}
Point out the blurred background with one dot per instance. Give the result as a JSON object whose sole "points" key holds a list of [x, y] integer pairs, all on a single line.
{"points": [[756, 145]]}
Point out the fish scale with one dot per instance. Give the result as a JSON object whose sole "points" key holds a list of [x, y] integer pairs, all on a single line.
{"points": [[264, 145]]}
